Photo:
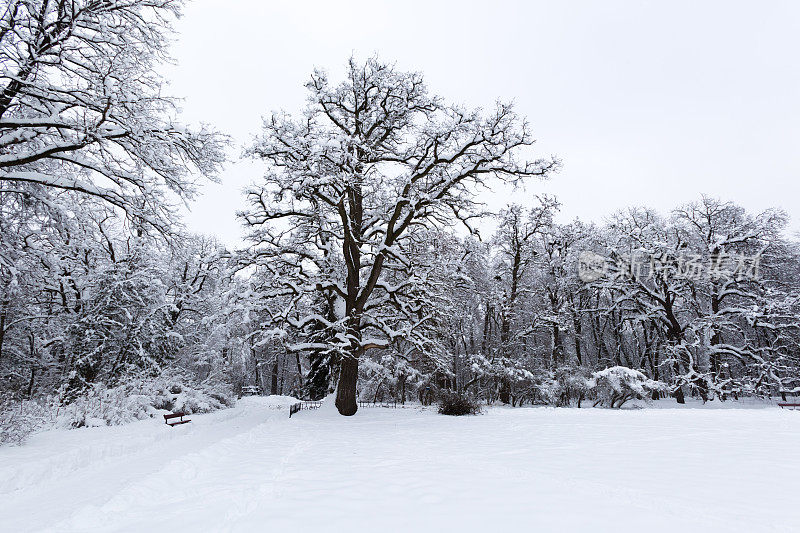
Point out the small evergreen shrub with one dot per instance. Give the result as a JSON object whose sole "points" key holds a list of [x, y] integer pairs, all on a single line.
{"points": [[458, 404]]}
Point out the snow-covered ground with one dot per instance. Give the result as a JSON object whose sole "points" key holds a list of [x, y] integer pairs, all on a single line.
{"points": [[536, 469]]}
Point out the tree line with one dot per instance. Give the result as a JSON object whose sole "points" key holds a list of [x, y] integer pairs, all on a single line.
{"points": [[364, 271]]}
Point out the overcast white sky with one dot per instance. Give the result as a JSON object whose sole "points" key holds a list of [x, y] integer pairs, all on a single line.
{"points": [[646, 103]]}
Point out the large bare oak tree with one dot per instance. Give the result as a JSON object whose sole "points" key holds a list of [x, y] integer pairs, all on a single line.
{"points": [[370, 160]]}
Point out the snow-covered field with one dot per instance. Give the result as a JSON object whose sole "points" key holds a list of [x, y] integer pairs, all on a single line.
{"points": [[533, 469]]}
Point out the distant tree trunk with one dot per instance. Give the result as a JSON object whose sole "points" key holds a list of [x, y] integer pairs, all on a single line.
{"points": [[675, 336], [318, 376], [274, 383], [29, 392], [505, 390], [716, 339], [32, 347], [597, 335], [507, 315], [2, 328], [678, 395], [299, 371], [259, 377], [576, 322], [283, 375], [487, 327], [558, 349]]}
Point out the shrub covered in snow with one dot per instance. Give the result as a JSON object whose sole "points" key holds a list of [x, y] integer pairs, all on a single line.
{"points": [[140, 399], [616, 385], [20, 419], [573, 385], [564, 387], [458, 403], [135, 399]]}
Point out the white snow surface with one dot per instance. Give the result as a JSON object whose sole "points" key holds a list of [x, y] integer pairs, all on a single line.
{"points": [[251, 468]]}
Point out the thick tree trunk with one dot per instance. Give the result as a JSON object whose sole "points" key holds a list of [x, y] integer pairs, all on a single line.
{"points": [[346, 390]]}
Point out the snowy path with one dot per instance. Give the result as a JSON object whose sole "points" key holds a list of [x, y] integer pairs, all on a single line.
{"points": [[253, 469]]}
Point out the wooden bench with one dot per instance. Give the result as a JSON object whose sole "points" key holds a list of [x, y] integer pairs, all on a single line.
{"points": [[169, 419], [789, 405]]}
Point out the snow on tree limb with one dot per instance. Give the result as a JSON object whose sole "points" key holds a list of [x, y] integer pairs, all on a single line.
{"points": [[81, 107]]}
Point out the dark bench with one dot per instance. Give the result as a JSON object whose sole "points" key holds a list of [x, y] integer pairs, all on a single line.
{"points": [[170, 419], [789, 405]]}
